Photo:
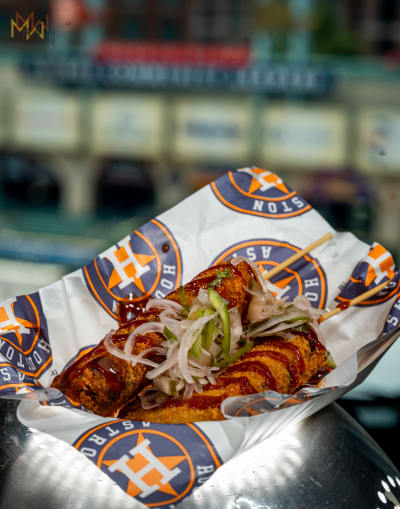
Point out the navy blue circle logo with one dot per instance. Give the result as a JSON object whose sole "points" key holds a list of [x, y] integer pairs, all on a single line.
{"points": [[305, 276], [147, 262], [24, 340], [159, 464], [258, 192]]}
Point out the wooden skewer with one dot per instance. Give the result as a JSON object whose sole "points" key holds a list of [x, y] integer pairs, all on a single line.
{"points": [[296, 256], [354, 301]]}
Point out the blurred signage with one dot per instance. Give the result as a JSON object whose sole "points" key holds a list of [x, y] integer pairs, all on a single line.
{"points": [[304, 136], [220, 55], [275, 79], [378, 147], [127, 125], [29, 25], [45, 120], [211, 130]]}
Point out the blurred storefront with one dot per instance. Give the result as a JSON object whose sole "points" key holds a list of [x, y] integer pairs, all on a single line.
{"points": [[112, 111]]}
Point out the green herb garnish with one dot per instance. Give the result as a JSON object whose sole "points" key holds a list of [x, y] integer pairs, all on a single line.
{"points": [[225, 274], [182, 298], [169, 335]]}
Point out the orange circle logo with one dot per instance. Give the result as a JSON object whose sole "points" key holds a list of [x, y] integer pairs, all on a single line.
{"points": [[158, 464], [258, 192], [305, 276]]}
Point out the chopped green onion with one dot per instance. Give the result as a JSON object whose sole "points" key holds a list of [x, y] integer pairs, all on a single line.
{"points": [[219, 304], [169, 334], [182, 298], [172, 388], [304, 327], [195, 349], [235, 356], [226, 274], [208, 335]]}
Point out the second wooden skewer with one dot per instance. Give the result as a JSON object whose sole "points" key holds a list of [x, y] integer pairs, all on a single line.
{"points": [[364, 296], [296, 256]]}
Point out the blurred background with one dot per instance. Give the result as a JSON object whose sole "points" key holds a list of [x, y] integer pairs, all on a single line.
{"points": [[111, 111]]}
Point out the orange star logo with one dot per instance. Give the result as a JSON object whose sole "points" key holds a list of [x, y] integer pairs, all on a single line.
{"points": [[265, 179], [11, 323], [131, 266], [152, 477]]}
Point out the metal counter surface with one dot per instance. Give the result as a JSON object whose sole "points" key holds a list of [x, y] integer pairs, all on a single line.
{"points": [[326, 461]]}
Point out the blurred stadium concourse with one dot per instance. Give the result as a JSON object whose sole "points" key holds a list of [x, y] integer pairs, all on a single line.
{"points": [[111, 111]]}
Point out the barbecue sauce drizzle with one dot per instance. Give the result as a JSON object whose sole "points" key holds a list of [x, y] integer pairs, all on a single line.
{"points": [[129, 308]]}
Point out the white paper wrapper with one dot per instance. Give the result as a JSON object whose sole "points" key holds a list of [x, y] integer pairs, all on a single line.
{"points": [[249, 212]]}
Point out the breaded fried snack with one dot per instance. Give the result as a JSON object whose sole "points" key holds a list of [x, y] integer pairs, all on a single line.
{"points": [[272, 364], [105, 378], [222, 334]]}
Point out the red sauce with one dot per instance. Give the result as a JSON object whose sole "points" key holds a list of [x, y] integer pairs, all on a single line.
{"points": [[319, 375], [255, 367], [200, 402], [203, 282], [110, 373], [285, 345], [343, 305], [290, 366], [311, 337]]}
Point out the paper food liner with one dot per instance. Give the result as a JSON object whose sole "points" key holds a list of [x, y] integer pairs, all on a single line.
{"points": [[249, 212]]}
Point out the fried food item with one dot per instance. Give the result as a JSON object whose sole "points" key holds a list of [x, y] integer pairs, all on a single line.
{"points": [[232, 289], [103, 382], [271, 364]]}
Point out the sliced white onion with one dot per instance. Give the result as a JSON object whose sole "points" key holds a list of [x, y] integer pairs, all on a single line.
{"points": [[278, 328], [164, 366], [287, 317], [237, 259], [203, 296], [151, 398], [114, 350], [164, 304], [139, 331], [134, 359], [187, 340], [204, 360], [188, 391], [163, 383], [301, 302], [236, 327]]}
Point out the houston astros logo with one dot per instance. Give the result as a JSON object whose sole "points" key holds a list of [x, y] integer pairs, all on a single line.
{"points": [[147, 262], [369, 272], [157, 463], [23, 335], [258, 192], [305, 276], [393, 319]]}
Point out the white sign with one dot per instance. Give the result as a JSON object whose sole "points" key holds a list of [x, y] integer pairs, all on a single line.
{"points": [[46, 120], [303, 136], [127, 125], [212, 130], [378, 134]]}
